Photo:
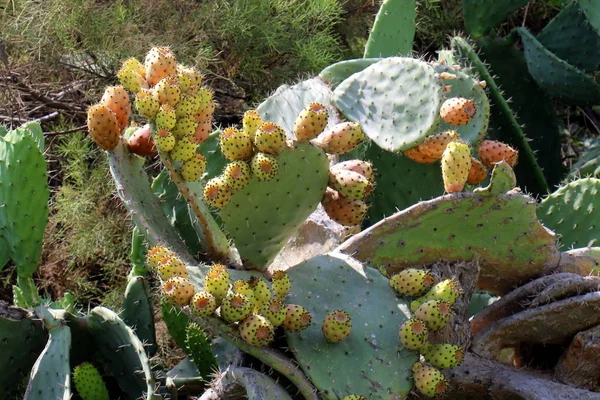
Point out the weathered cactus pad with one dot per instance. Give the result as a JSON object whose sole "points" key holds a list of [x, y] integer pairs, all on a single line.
{"points": [[370, 362]]}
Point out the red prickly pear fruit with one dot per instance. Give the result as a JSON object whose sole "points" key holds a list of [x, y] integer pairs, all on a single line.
{"points": [[141, 142], [337, 326], [178, 291], [103, 126], [251, 122], [184, 126], [235, 307], [217, 193], [274, 310], [217, 281], [146, 104], [350, 184], [364, 168], [429, 380], [202, 131], [477, 172], [135, 65], [156, 254], [257, 330], [458, 111], [235, 144], [343, 210], [492, 152], [117, 99], [270, 138], [184, 149], [443, 356], [435, 314], [415, 154], [311, 122], [447, 290], [165, 140], [188, 77], [203, 304], [192, 169], [131, 79], [341, 139], [413, 334], [167, 92], [297, 318], [412, 282], [171, 266], [434, 145], [159, 63], [456, 163], [264, 166], [165, 117], [237, 174], [281, 284], [260, 289]]}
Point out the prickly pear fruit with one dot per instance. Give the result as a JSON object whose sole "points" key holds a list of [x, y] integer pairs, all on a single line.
{"points": [[354, 397], [341, 139], [342, 210], [135, 65], [156, 254], [458, 111], [477, 172], [429, 380], [185, 126], [264, 166], [281, 285], [235, 307], [89, 383], [456, 163], [434, 145], [217, 281], [241, 286], [364, 168], [216, 192], [415, 154], [103, 126], [257, 330], [117, 99], [184, 149], [165, 140], [167, 92], [203, 304], [131, 79], [186, 106], [146, 104], [193, 168], [251, 122], [188, 77], [235, 144], [141, 142], [160, 63], [435, 314], [412, 282], [443, 356], [260, 289], [492, 152], [274, 310], [270, 138], [171, 266], [350, 184], [413, 334], [205, 112], [337, 326], [178, 291], [237, 174], [202, 131], [165, 117], [311, 122], [297, 318], [447, 290]]}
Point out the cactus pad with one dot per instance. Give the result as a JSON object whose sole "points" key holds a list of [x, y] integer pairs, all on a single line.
{"points": [[592, 12], [338, 72], [138, 313], [393, 32], [481, 17]]}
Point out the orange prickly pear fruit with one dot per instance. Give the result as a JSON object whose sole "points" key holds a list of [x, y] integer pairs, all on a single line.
{"points": [[311, 122], [103, 126], [458, 111], [434, 145], [160, 62], [492, 152], [415, 154], [117, 99], [341, 139], [477, 172], [343, 210]]}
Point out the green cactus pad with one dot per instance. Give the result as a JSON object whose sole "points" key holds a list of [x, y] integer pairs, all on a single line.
{"points": [[480, 300], [50, 377], [23, 199], [467, 87], [557, 77], [258, 386], [502, 232], [396, 101], [393, 32], [570, 37], [588, 163], [123, 352], [369, 362], [176, 321], [338, 72], [265, 214], [199, 348], [215, 160], [571, 211], [482, 16], [592, 12], [138, 313]]}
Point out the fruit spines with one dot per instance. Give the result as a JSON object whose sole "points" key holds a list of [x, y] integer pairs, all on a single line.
{"points": [[458, 111], [456, 163], [413, 334], [412, 282], [311, 122], [103, 126], [337, 326], [429, 380], [341, 139], [89, 383], [257, 330]]}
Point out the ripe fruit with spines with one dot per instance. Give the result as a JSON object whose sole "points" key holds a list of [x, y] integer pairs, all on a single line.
{"points": [[274, 310], [364, 168], [435, 314], [412, 282], [89, 383], [171, 266], [205, 112], [237, 174], [185, 126], [202, 131], [413, 334], [337, 326], [165, 117], [103, 127], [343, 210], [270, 138], [281, 284], [434, 145], [203, 304], [297, 318], [350, 184], [458, 111], [235, 307], [178, 290], [146, 104], [264, 166], [192, 169], [188, 77], [185, 149], [131, 79], [477, 172], [216, 192], [159, 63], [260, 289], [251, 122], [456, 163], [217, 282], [311, 122], [165, 140], [167, 92], [156, 254], [341, 139], [492, 152], [443, 356], [235, 144], [415, 154], [241, 286], [429, 380], [447, 290], [257, 330], [142, 143]]}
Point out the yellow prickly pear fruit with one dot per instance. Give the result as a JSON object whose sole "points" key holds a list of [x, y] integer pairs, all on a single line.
{"points": [[217, 281], [117, 99], [274, 310], [217, 193], [337, 326], [251, 122], [341, 139], [311, 122], [193, 168], [235, 144], [165, 140], [178, 291], [429, 380], [146, 104], [297, 318], [281, 285], [185, 149], [456, 163], [103, 126], [235, 307], [270, 138], [412, 282], [165, 117], [237, 174], [185, 126], [156, 254], [447, 290], [171, 266], [188, 77], [131, 79], [160, 62], [264, 166], [203, 304], [413, 334], [167, 91], [257, 330], [443, 355]]}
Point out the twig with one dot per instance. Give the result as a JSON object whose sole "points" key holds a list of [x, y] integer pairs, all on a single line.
{"points": [[56, 133]]}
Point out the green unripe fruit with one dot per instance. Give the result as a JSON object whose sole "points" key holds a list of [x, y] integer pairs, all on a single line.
{"points": [[264, 166], [165, 118], [429, 380], [185, 149], [413, 334], [447, 290], [256, 330], [354, 397], [281, 284], [237, 174], [412, 282], [235, 307], [146, 104], [270, 138], [193, 168], [337, 326], [443, 355], [297, 318], [274, 310], [89, 383], [435, 314], [203, 304], [217, 282]]}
